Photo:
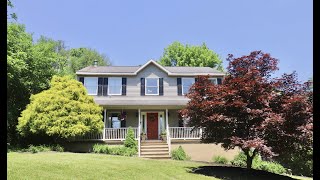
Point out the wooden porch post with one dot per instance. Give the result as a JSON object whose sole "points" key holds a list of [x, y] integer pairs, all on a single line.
{"points": [[139, 129], [104, 124]]}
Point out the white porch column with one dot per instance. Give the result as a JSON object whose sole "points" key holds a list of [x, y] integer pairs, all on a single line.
{"points": [[139, 129], [104, 123], [168, 132]]}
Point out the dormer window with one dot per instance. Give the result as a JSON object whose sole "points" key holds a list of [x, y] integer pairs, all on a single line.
{"points": [[152, 86]]}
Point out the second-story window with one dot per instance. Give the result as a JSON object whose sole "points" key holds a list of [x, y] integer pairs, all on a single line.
{"points": [[115, 86], [186, 84], [213, 80], [91, 84], [152, 86]]}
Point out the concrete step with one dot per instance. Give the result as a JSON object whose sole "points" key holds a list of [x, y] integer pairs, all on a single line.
{"points": [[156, 156], [154, 149], [153, 146], [155, 153]]}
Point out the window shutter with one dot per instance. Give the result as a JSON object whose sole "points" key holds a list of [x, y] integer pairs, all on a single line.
{"points": [[124, 86], [105, 87], [142, 87], [219, 80], [179, 86], [100, 84], [123, 123], [81, 79], [160, 86]]}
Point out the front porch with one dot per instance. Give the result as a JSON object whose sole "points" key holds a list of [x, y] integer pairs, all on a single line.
{"points": [[152, 124]]}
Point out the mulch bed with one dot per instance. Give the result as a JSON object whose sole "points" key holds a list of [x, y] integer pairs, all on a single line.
{"points": [[237, 173]]}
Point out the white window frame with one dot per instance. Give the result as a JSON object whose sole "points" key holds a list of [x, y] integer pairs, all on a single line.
{"points": [[215, 79], [84, 82], [182, 85], [120, 86], [145, 88]]}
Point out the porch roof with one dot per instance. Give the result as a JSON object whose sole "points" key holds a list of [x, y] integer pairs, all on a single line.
{"points": [[142, 102]]}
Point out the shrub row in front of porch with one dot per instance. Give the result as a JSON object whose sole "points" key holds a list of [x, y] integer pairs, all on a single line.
{"points": [[117, 150]]}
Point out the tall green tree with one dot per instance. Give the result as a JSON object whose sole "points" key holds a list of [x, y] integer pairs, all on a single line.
{"points": [[177, 54], [29, 70], [64, 110], [83, 57], [11, 15]]}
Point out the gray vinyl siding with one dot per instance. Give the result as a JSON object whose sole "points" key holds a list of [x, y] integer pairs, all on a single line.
{"points": [[152, 71]]}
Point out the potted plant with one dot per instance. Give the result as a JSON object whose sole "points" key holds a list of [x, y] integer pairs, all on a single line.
{"points": [[143, 135], [163, 136]]}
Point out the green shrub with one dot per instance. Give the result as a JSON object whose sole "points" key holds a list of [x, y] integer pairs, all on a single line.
{"points": [[179, 154], [130, 141], [101, 148], [57, 148], [270, 167], [220, 159], [33, 149], [258, 163]]}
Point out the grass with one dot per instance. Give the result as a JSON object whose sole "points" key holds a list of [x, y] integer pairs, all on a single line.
{"points": [[52, 165]]}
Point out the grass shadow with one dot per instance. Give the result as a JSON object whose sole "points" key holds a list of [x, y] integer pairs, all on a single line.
{"points": [[236, 173]]}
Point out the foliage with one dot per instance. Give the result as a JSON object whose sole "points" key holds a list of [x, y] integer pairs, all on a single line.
{"points": [[176, 54], [220, 159], [11, 15], [299, 162], [29, 69], [130, 141], [258, 163], [250, 110], [65, 110], [179, 154], [39, 148], [115, 150], [100, 148], [83, 57]]}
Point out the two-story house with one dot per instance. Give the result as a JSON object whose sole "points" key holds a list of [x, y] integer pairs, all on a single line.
{"points": [[145, 97]]}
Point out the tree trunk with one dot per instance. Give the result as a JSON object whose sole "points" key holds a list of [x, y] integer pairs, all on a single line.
{"points": [[249, 161]]}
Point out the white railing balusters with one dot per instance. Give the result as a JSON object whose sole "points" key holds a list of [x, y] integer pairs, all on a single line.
{"points": [[185, 133]]}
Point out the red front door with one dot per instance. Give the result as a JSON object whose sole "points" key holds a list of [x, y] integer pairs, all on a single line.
{"points": [[152, 125]]}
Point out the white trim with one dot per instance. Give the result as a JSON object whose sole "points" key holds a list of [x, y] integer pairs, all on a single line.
{"points": [[159, 122], [169, 74], [155, 63], [159, 66], [145, 121], [84, 83], [215, 79], [104, 123], [194, 80], [145, 86], [120, 85], [139, 132]]}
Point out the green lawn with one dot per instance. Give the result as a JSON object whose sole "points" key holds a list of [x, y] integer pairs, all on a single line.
{"points": [[52, 165]]}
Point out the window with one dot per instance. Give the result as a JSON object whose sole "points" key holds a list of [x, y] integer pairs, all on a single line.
{"points": [[152, 86], [115, 86], [91, 83], [116, 123], [186, 84], [213, 80]]}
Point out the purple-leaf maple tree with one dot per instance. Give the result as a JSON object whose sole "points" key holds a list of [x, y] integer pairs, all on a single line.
{"points": [[250, 110]]}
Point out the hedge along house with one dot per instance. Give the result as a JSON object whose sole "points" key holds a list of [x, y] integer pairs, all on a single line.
{"points": [[145, 98]]}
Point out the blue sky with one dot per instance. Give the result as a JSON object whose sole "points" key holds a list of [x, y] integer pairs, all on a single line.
{"points": [[132, 32]]}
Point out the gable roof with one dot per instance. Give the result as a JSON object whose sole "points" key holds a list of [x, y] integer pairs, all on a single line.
{"points": [[134, 70]]}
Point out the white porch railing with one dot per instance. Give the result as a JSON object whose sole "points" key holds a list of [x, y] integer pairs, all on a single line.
{"points": [[185, 133], [110, 134], [119, 133]]}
